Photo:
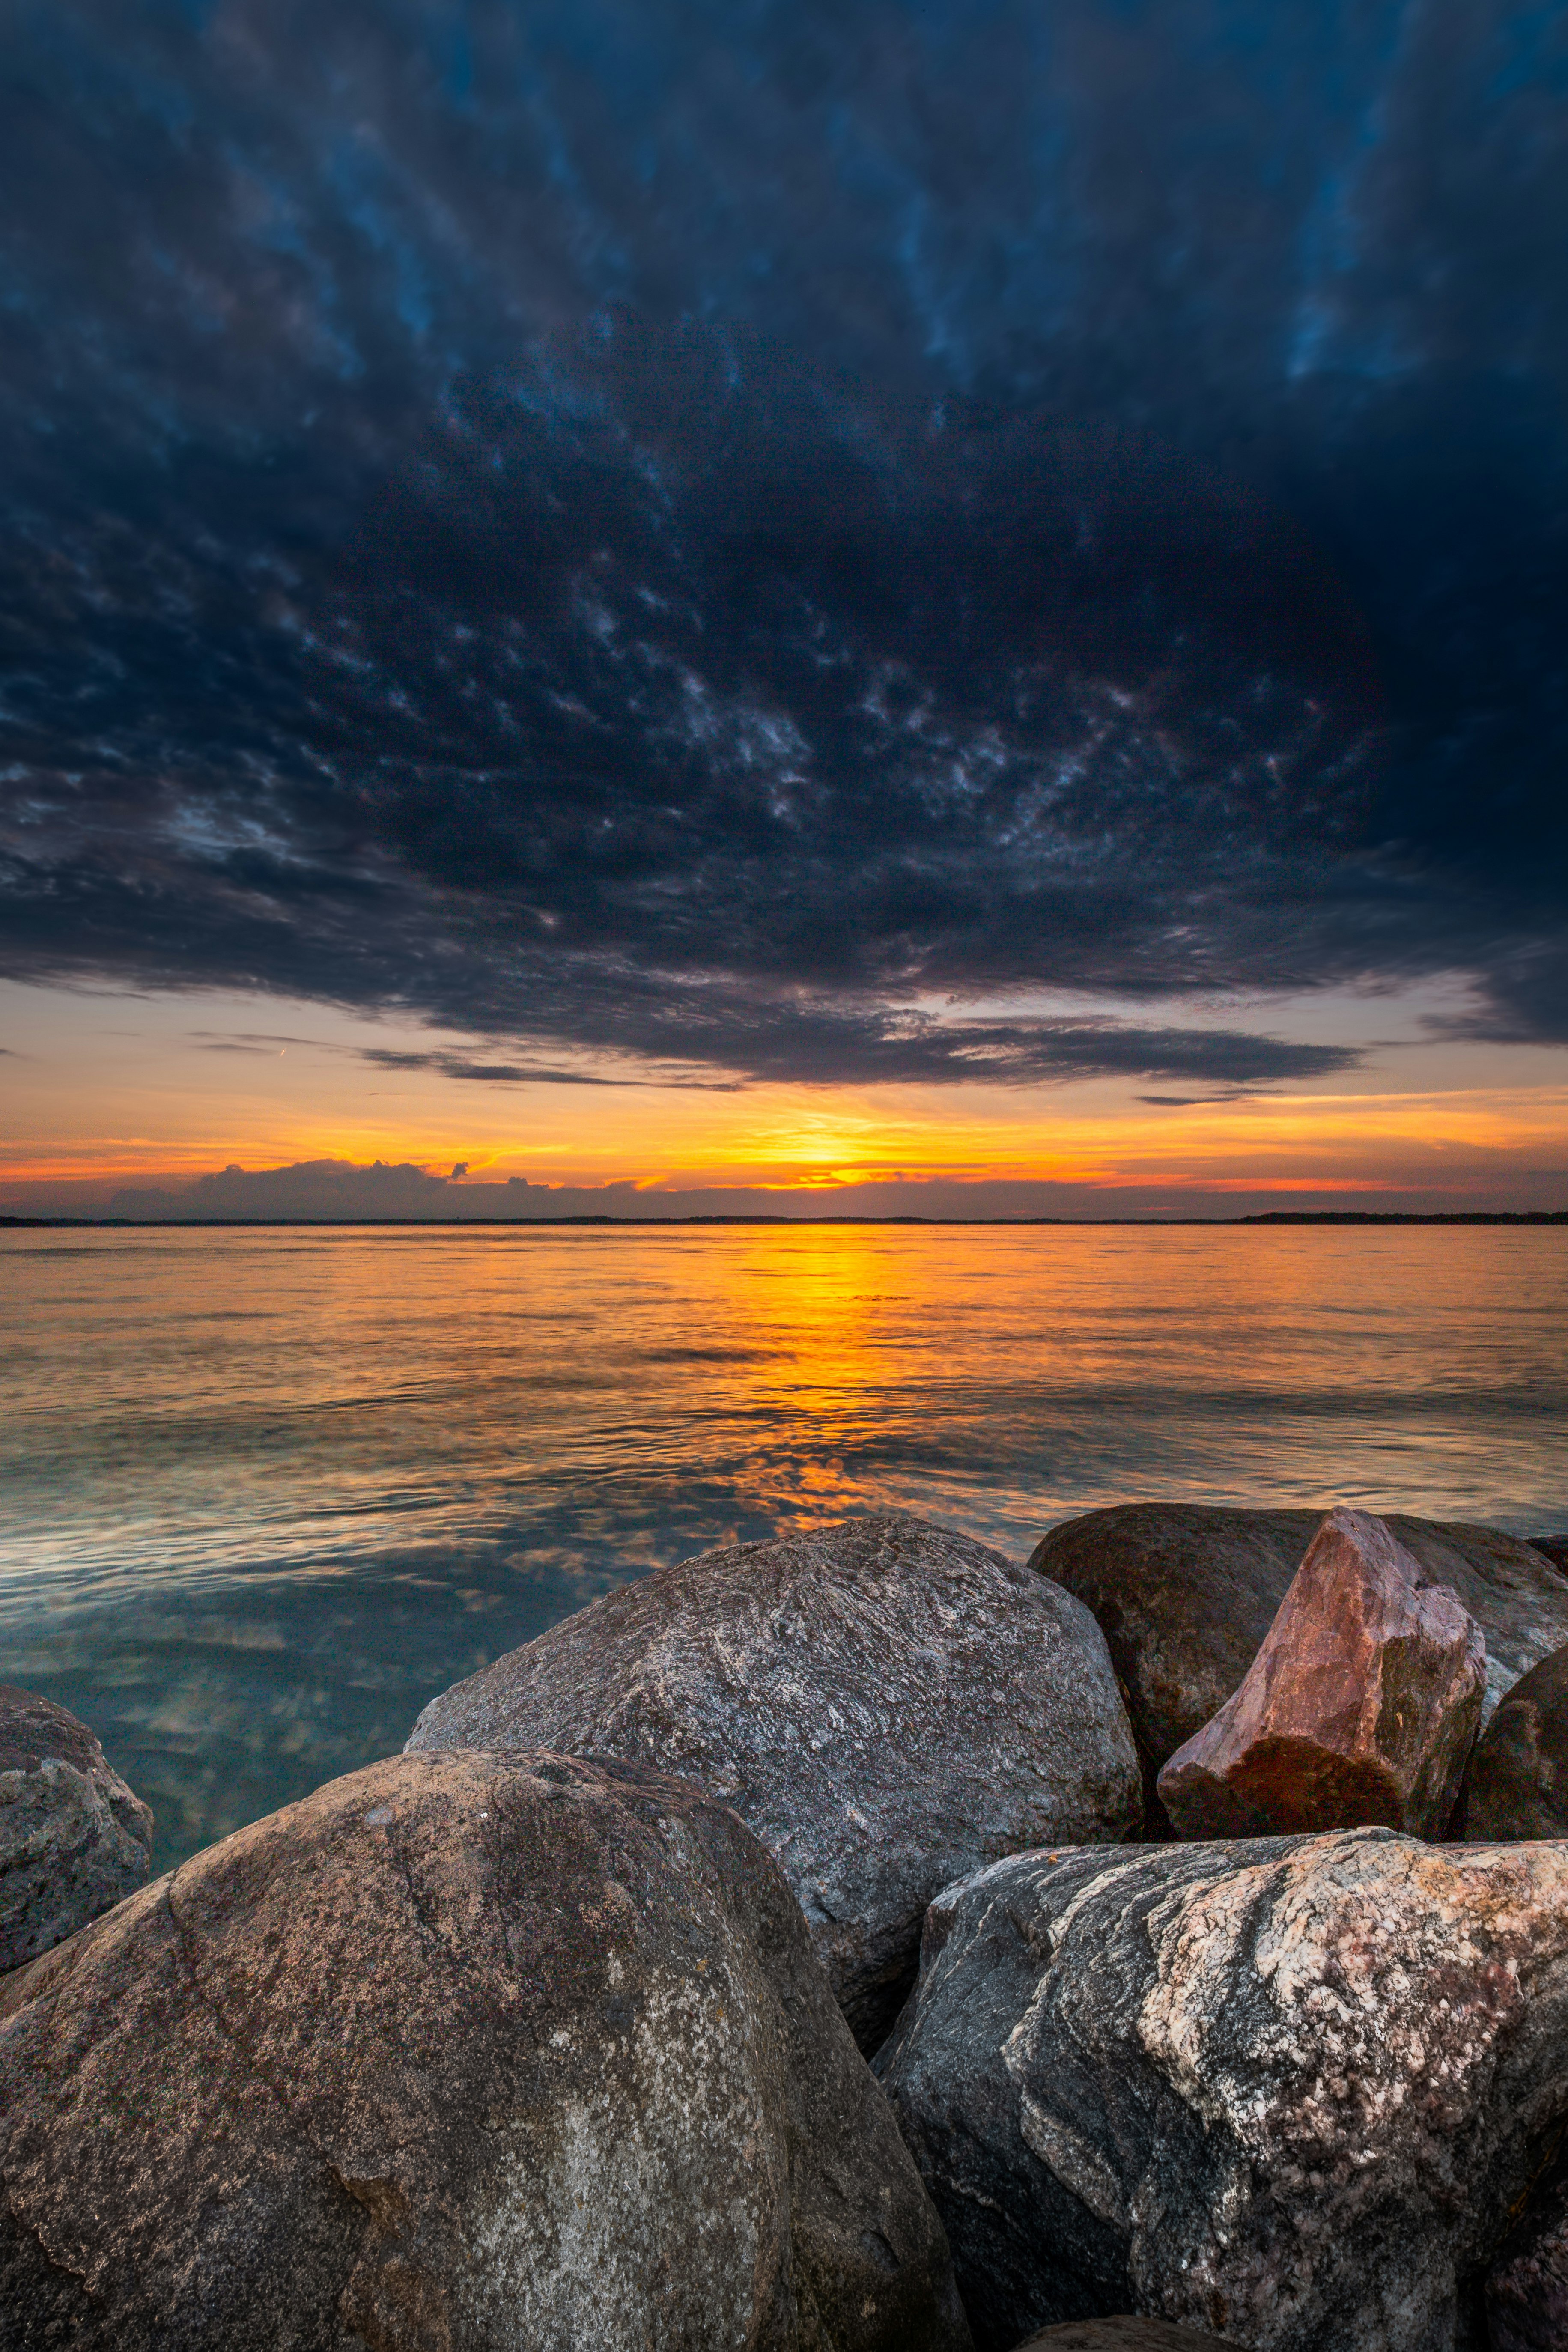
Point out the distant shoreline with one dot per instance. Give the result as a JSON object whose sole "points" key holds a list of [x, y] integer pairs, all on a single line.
{"points": [[446, 1224]]}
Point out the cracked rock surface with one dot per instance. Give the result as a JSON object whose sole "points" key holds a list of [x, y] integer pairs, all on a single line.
{"points": [[463, 2053], [74, 1838], [1527, 2289], [1516, 1783], [1124, 2334], [1361, 1705], [1290, 2090], [887, 1705], [1185, 1595]]}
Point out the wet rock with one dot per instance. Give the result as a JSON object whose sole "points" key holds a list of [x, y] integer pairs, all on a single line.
{"points": [[1290, 2090], [73, 1837], [1527, 2287], [1361, 1705], [463, 2053], [1552, 1548], [1121, 2334], [1516, 1783], [887, 1705], [1185, 1595]]}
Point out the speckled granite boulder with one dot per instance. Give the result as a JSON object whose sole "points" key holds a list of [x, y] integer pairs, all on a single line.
{"points": [[1361, 1705], [887, 1705], [462, 2053], [1516, 1784], [73, 1838], [1185, 1596], [1290, 2090]]}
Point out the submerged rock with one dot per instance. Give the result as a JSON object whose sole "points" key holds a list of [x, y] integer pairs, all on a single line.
{"points": [[887, 1705], [1290, 2090], [1516, 1784], [463, 2053], [1527, 2287], [1186, 1595], [74, 1838], [1361, 1706]]}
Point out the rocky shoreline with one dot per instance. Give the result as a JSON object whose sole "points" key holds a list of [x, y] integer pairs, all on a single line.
{"points": [[854, 1942]]}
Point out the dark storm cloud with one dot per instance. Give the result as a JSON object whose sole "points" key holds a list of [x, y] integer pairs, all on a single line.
{"points": [[726, 536]]}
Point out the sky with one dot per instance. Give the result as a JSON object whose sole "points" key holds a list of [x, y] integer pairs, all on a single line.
{"points": [[843, 604]]}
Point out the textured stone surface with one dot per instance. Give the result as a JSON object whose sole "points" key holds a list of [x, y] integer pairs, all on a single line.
{"points": [[1290, 2090], [1361, 1706], [1552, 1548], [1516, 1783], [462, 2053], [73, 1837], [1527, 2288], [887, 1705], [1124, 2334], [1185, 1596]]}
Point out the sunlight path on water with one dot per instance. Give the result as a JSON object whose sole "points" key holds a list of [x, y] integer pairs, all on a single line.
{"points": [[266, 1491]]}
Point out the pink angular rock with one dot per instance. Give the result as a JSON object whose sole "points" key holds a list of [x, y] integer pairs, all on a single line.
{"points": [[1361, 1707]]}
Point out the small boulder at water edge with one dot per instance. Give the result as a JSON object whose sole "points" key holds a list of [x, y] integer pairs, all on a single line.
{"points": [[73, 1838], [1185, 1597], [1361, 1705], [463, 2053], [1515, 1785], [888, 1706], [1291, 2090]]}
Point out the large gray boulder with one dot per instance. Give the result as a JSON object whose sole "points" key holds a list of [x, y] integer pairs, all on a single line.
{"points": [[74, 1838], [1516, 1783], [1186, 1594], [463, 2053], [887, 1705], [1288, 2089]]}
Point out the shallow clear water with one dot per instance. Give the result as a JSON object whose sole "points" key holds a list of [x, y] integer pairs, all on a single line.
{"points": [[266, 1492]]}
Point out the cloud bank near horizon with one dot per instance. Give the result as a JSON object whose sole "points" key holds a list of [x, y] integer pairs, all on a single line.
{"points": [[736, 541], [348, 1192]]}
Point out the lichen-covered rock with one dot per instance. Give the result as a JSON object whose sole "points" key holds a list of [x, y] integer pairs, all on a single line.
{"points": [[1290, 2090], [74, 1838], [1527, 2287], [1124, 2334], [463, 2053], [887, 1705], [1516, 1783], [1185, 1595], [1361, 1706]]}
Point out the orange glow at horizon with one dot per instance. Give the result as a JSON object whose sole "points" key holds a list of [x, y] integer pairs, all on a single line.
{"points": [[146, 1092]]}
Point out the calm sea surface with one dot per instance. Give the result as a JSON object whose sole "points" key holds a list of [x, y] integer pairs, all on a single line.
{"points": [[266, 1492]]}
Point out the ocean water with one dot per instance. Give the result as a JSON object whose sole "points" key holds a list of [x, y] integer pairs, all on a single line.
{"points": [[265, 1492]]}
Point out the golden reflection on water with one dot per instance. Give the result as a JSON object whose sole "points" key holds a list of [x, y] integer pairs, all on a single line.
{"points": [[265, 1491]]}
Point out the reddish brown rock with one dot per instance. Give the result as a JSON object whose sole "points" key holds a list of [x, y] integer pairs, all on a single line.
{"points": [[1184, 1594], [1360, 1709], [462, 2053], [1516, 1783]]}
